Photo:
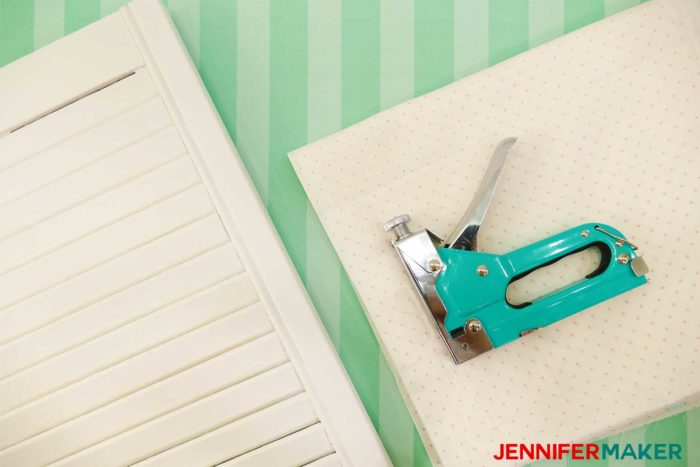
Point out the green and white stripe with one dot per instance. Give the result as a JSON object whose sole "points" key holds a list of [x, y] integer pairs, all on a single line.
{"points": [[286, 72]]}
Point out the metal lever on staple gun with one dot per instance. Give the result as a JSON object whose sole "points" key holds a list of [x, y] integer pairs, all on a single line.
{"points": [[464, 289], [464, 237]]}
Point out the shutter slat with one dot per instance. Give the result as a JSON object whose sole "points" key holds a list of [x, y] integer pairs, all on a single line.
{"points": [[161, 291], [91, 57], [123, 342], [111, 174], [202, 418], [332, 460], [98, 213], [296, 449], [77, 117], [133, 374], [241, 436], [111, 277], [107, 243], [168, 395], [80, 150]]}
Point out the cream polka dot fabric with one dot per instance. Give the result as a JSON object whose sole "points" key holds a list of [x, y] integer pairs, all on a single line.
{"points": [[609, 124]]}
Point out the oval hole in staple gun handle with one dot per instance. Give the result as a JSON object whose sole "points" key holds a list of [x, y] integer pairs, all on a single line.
{"points": [[557, 275]]}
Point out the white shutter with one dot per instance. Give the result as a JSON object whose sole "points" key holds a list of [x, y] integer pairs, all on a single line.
{"points": [[148, 313]]}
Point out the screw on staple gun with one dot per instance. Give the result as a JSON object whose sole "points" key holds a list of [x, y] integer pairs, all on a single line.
{"points": [[464, 289]]}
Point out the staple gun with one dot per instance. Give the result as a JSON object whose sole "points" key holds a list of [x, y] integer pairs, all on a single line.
{"points": [[464, 289]]}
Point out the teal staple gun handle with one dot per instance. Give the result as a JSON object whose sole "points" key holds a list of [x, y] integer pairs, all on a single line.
{"points": [[465, 289]]}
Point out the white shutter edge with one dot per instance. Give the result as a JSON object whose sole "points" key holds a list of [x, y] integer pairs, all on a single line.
{"points": [[306, 342]]}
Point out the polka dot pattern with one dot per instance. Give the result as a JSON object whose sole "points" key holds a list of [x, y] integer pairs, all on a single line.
{"points": [[609, 126]]}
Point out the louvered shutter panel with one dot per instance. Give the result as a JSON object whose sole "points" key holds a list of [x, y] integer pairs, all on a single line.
{"points": [[148, 313]]}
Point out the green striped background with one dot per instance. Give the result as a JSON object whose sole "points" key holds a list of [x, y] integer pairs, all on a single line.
{"points": [[286, 72]]}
